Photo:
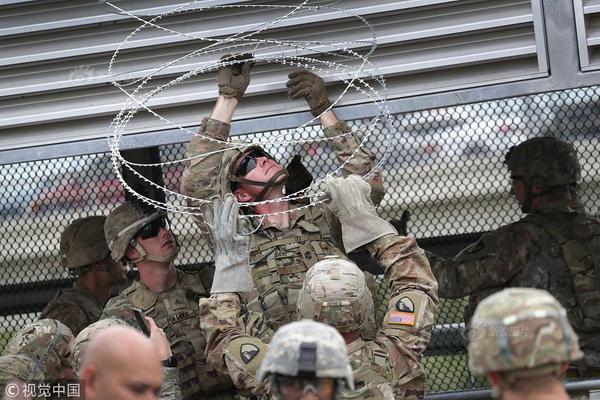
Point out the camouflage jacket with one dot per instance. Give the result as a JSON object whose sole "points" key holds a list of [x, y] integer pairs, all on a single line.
{"points": [[279, 258], [75, 307], [385, 368], [555, 248], [176, 312]]}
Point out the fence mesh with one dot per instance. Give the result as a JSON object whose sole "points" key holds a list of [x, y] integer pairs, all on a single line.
{"points": [[443, 165]]}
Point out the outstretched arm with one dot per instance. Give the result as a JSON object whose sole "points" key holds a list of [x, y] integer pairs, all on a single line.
{"points": [[346, 145], [200, 178]]}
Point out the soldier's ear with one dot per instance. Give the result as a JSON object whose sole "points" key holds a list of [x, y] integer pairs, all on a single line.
{"points": [[495, 379], [89, 375], [242, 196]]}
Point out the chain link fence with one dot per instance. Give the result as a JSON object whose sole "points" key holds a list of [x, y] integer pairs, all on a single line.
{"points": [[445, 166]]}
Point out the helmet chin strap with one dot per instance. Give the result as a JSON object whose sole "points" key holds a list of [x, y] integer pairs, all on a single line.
{"points": [[143, 255], [271, 183]]}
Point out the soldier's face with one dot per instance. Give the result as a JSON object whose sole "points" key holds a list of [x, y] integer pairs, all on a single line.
{"points": [[518, 188], [133, 380], [163, 244], [256, 166]]}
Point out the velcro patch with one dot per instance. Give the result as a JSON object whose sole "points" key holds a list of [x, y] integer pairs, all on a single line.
{"points": [[401, 318], [405, 304], [248, 351]]}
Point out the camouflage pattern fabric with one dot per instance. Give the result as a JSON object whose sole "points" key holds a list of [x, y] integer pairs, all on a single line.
{"points": [[176, 312], [75, 307], [385, 368], [555, 249], [279, 258], [330, 359], [47, 342], [234, 340], [522, 331], [19, 366], [82, 243]]}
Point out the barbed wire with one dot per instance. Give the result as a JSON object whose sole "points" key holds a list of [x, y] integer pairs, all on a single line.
{"points": [[339, 61]]}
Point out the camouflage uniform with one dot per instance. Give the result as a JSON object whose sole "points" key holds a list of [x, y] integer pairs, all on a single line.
{"points": [[46, 342], [169, 390], [280, 258], [176, 312], [385, 368], [521, 333], [75, 307], [82, 244], [554, 248]]}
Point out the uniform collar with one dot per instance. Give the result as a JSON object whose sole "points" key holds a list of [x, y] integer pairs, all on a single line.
{"points": [[80, 288], [562, 206], [295, 215]]}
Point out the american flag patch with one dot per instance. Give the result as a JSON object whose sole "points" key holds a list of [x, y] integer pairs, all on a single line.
{"points": [[402, 318]]}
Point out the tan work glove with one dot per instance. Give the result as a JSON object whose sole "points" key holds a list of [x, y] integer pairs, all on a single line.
{"points": [[231, 249], [233, 80], [351, 204], [303, 83]]}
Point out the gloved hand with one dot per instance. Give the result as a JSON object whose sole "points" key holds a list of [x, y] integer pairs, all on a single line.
{"points": [[233, 80], [351, 204], [231, 249], [303, 83]]}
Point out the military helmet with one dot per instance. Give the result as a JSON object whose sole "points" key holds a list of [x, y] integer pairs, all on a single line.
{"points": [[83, 338], [122, 224], [307, 349], [334, 292], [521, 329], [545, 161], [226, 173], [82, 243], [47, 342]]}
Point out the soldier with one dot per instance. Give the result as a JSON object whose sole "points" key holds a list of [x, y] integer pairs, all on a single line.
{"points": [[303, 357], [169, 389], [335, 292], [85, 254], [521, 339], [165, 293], [288, 239], [48, 343], [554, 247], [121, 364]]}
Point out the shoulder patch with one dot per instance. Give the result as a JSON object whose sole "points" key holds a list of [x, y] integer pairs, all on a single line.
{"points": [[405, 304], [248, 351]]}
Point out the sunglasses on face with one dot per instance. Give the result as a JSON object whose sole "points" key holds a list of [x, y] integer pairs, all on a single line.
{"points": [[152, 228], [295, 388], [249, 162]]}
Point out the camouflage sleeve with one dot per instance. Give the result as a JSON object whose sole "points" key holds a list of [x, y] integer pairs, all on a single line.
{"points": [[170, 389], [119, 307], [200, 176], [407, 325], [69, 314], [361, 159], [233, 347], [491, 261]]}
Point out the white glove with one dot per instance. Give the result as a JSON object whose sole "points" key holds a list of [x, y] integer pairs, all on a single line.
{"points": [[351, 204], [231, 249]]}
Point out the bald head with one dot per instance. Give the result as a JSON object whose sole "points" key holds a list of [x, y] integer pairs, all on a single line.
{"points": [[120, 364]]}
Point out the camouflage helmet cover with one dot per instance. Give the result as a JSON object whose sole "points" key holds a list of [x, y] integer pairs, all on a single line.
{"points": [[20, 366], [82, 243], [83, 338], [335, 292], [520, 329], [545, 161], [122, 224], [47, 342], [226, 172], [304, 348]]}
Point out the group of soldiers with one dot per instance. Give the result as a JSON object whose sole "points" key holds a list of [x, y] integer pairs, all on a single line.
{"points": [[285, 313]]}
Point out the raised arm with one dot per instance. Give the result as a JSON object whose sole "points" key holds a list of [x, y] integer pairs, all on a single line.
{"points": [[202, 175], [303, 83]]}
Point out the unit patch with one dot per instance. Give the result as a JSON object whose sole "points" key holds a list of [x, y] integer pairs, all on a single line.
{"points": [[405, 304], [248, 351]]}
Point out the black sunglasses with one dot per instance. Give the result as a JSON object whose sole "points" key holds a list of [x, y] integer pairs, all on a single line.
{"points": [[152, 228], [248, 162]]}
